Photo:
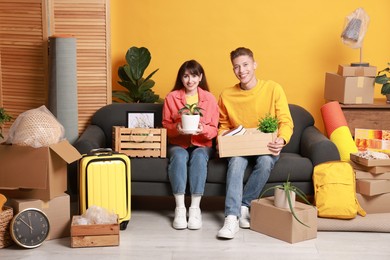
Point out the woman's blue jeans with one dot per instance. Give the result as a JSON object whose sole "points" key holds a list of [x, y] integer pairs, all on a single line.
{"points": [[236, 193], [191, 164]]}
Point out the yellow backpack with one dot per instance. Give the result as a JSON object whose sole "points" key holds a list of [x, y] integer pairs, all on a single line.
{"points": [[335, 190]]}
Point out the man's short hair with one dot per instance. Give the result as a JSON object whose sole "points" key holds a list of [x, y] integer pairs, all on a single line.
{"points": [[241, 51]]}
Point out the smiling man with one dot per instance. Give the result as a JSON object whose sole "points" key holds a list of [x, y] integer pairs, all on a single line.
{"points": [[244, 104]]}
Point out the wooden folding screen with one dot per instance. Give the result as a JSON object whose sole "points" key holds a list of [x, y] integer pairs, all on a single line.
{"points": [[24, 31]]}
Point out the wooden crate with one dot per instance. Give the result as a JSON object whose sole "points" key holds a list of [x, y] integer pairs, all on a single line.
{"points": [[253, 142], [140, 142], [93, 235]]}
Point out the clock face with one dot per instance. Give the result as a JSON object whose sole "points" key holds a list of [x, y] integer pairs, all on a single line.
{"points": [[30, 227]]}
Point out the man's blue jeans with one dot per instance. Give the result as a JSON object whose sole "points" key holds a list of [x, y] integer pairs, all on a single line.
{"points": [[236, 194], [191, 164]]}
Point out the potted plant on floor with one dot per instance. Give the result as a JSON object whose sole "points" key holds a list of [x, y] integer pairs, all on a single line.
{"points": [[284, 197], [138, 89], [4, 118], [384, 80], [190, 117]]}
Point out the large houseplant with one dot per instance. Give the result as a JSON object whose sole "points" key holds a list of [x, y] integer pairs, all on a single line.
{"points": [[138, 88], [289, 192], [4, 118], [384, 80]]}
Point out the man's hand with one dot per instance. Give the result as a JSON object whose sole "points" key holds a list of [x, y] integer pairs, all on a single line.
{"points": [[276, 146]]}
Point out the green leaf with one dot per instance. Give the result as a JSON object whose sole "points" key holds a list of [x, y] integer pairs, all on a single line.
{"points": [[139, 59], [385, 89], [382, 79]]}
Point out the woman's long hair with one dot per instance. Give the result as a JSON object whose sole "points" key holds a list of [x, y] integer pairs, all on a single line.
{"points": [[194, 68]]}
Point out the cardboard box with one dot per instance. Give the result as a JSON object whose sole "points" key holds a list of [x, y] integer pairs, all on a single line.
{"points": [[369, 162], [375, 204], [372, 140], [372, 169], [38, 173], [94, 235], [372, 187], [356, 71], [57, 210], [253, 142], [371, 176], [349, 90], [140, 142], [280, 223]]}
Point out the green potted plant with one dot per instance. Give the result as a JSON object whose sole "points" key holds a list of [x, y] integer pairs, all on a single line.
{"points": [[4, 118], [138, 88], [268, 124], [190, 117], [284, 197], [384, 80]]}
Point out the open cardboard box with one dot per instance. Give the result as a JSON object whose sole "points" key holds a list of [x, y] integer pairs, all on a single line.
{"points": [[369, 162], [35, 173], [253, 142]]}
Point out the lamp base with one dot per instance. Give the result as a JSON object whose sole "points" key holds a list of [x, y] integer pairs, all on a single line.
{"points": [[360, 64]]}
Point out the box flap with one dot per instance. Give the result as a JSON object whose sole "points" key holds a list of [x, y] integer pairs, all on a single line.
{"points": [[23, 167], [66, 151]]}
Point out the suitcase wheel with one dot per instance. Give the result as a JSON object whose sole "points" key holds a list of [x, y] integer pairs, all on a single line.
{"points": [[123, 225]]}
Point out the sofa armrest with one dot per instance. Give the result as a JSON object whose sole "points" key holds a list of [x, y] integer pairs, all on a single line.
{"points": [[93, 137], [317, 147]]}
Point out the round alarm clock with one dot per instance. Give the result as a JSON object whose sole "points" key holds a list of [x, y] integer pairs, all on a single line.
{"points": [[29, 228]]}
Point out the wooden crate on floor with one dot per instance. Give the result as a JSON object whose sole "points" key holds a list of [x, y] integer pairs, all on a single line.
{"points": [[93, 235], [140, 142]]}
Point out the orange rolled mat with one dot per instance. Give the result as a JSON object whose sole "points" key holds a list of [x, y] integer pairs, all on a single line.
{"points": [[333, 117], [336, 127]]}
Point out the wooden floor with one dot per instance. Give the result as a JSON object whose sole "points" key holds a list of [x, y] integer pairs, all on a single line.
{"points": [[150, 235]]}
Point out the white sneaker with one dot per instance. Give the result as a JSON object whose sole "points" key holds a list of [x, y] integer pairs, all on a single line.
{"points": [[230, 227], [245, 217], [180, 220], [194, 218]]}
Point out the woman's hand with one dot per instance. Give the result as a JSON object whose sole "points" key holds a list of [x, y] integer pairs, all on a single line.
{"points": [[276, 146]]}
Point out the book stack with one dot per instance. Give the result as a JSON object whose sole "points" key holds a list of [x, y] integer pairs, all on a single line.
{"points": [[239, 130]]}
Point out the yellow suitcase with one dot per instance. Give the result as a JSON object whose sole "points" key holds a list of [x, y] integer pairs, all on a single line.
{"points": [[105, 181]]}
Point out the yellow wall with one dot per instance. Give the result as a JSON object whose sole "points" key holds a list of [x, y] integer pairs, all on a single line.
{"points": [[295, 42]]}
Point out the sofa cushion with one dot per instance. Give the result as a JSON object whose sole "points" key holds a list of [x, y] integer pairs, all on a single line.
{"points": [[302, 119], [149, 169]]}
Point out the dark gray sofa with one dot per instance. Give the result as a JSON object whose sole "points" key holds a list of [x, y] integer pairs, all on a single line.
{"points": [[307, 148]]}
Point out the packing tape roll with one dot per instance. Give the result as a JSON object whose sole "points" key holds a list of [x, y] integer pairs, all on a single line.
{"points": [[333, 117], [344, 142]]}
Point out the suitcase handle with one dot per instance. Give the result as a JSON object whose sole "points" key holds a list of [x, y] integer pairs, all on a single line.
{"points": [[101, 151]]}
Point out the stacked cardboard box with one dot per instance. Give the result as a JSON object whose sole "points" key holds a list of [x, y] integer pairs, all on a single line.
{"points": [[351, 85], [372, 183], [37, 178]]}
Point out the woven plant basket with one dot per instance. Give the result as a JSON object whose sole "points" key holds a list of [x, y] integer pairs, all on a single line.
{"points": [[5, 220]]}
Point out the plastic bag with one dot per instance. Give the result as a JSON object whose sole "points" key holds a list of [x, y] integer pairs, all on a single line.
{"points": [[355, 28], [36, 128], [97, 215]]}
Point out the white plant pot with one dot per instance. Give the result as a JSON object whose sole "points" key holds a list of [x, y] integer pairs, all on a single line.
{"points": [[190, 122], [280, 199]]}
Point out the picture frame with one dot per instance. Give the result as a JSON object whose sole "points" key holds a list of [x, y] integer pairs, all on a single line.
{"points": [[140, 119]]}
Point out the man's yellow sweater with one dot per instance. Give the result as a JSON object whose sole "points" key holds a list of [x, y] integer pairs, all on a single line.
{"points": [[246, 107]]}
